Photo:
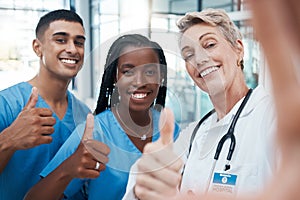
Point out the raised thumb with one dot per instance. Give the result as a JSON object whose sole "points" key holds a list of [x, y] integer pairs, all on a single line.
{"points": [[89, 127], [166, 126], [32, 99]]}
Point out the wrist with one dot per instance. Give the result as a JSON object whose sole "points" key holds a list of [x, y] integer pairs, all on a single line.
{"points": [[6, 144]]}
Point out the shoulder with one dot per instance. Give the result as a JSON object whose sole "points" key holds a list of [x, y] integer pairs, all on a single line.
{"points": [[15, 96], [78, 103], [19, 90], [261, 96], [12, 101], [106, 118], [262, 104], [105, 114]]}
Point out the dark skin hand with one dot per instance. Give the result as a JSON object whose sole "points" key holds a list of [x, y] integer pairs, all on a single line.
{"points": [[32, 127], [81, 164]]}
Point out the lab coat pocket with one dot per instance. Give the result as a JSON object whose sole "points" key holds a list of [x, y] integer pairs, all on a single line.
{"points": [[247, 178]]}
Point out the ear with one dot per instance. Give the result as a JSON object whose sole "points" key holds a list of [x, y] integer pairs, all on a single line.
{"points": [[240, 49], [37, 47]]}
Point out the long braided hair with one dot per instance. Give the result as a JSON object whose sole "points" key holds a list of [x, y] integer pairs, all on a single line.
{"points": [[107, 89]]}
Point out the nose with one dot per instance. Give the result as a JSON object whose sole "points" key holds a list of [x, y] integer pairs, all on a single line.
{"points": [[139, 79], [201, 56], [71, 47]]}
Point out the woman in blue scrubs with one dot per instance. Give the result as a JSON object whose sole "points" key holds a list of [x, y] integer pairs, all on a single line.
{"points": [[131, 96]]}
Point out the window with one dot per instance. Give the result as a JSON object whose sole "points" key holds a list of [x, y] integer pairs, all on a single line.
{"points": [[18, 19]]}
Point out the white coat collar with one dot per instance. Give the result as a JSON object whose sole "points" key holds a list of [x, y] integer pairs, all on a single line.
{"points": [[212, 130], [257, 95]]}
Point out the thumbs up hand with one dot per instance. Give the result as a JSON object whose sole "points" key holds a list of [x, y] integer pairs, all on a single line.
{"points": [[159, 167], [32, 127], [91, 155]]}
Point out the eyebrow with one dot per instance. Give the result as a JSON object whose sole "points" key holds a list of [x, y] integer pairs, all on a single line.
{"points": [[126, 65], [66, 34], [200, 38], [205, 34]]}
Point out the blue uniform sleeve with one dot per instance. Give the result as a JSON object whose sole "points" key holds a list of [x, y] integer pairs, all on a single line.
{"points": [[7, 113], [176, 131], [67, 149]]}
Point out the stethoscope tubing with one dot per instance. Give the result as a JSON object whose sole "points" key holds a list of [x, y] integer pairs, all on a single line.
{"points": [[229, 135]]}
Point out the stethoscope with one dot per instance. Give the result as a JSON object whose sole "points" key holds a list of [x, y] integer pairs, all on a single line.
{"points": [[228, 135]]}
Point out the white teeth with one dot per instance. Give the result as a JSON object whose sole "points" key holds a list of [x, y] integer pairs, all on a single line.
{"points": [[208, 71], [69, 61], [139, 95]]}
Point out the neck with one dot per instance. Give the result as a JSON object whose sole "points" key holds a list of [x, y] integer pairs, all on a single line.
{"points": [[53, 92], [135, 124], [137, 118], [223, 102]]}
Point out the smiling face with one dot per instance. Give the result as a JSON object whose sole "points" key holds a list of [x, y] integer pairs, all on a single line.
{"points": [[210, 59], [61, 49], [138, 77]]}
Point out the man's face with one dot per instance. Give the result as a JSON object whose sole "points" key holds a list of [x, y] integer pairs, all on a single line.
{"points": [[62, 49]]}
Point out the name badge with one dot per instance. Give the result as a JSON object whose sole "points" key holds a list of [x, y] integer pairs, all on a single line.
{"points": [[224, 183]]}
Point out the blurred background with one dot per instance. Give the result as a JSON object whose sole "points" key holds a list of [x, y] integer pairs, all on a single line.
{"points": [[104, 20]]}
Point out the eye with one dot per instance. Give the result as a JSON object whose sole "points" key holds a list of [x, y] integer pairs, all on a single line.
{"points": [[150, 72], [60, 40], [188, 56], [128, 72], [209, 45], [79, 43]]}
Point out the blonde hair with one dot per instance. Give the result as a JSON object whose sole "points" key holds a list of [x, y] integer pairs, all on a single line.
{"points": [[214, 17]]}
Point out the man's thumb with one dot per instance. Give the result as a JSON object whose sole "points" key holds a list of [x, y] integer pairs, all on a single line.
{"points": [[89, 127], [166, 126], [32, 99]]}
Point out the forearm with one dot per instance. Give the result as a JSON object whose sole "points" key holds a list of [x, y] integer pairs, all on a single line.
{"points": [[7, 149], [51, 187]]}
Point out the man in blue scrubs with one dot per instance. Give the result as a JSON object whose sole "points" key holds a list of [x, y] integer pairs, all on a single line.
{"points": [[37, 116]]}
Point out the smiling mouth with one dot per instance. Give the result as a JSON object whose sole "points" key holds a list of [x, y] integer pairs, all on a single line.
{"points": [[69, 61], [208, 71], [139, 95]]}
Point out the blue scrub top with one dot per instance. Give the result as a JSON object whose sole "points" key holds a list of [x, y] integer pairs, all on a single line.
{"points": [[111, 184], [23, 169]]}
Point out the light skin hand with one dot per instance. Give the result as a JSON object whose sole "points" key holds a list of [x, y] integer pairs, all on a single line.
{"points": [[159, 167], [282, 50], [32, 127], [81, 164]]}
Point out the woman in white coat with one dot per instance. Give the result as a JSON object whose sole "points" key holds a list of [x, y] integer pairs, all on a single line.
{"points": [[212, 48]]}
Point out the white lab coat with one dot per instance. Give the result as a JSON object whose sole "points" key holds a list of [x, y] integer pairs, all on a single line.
{"points": [[253, 159]]}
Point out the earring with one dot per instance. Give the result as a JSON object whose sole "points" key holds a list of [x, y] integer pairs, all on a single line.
{"points": [[238, 63], [162, 82]]}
